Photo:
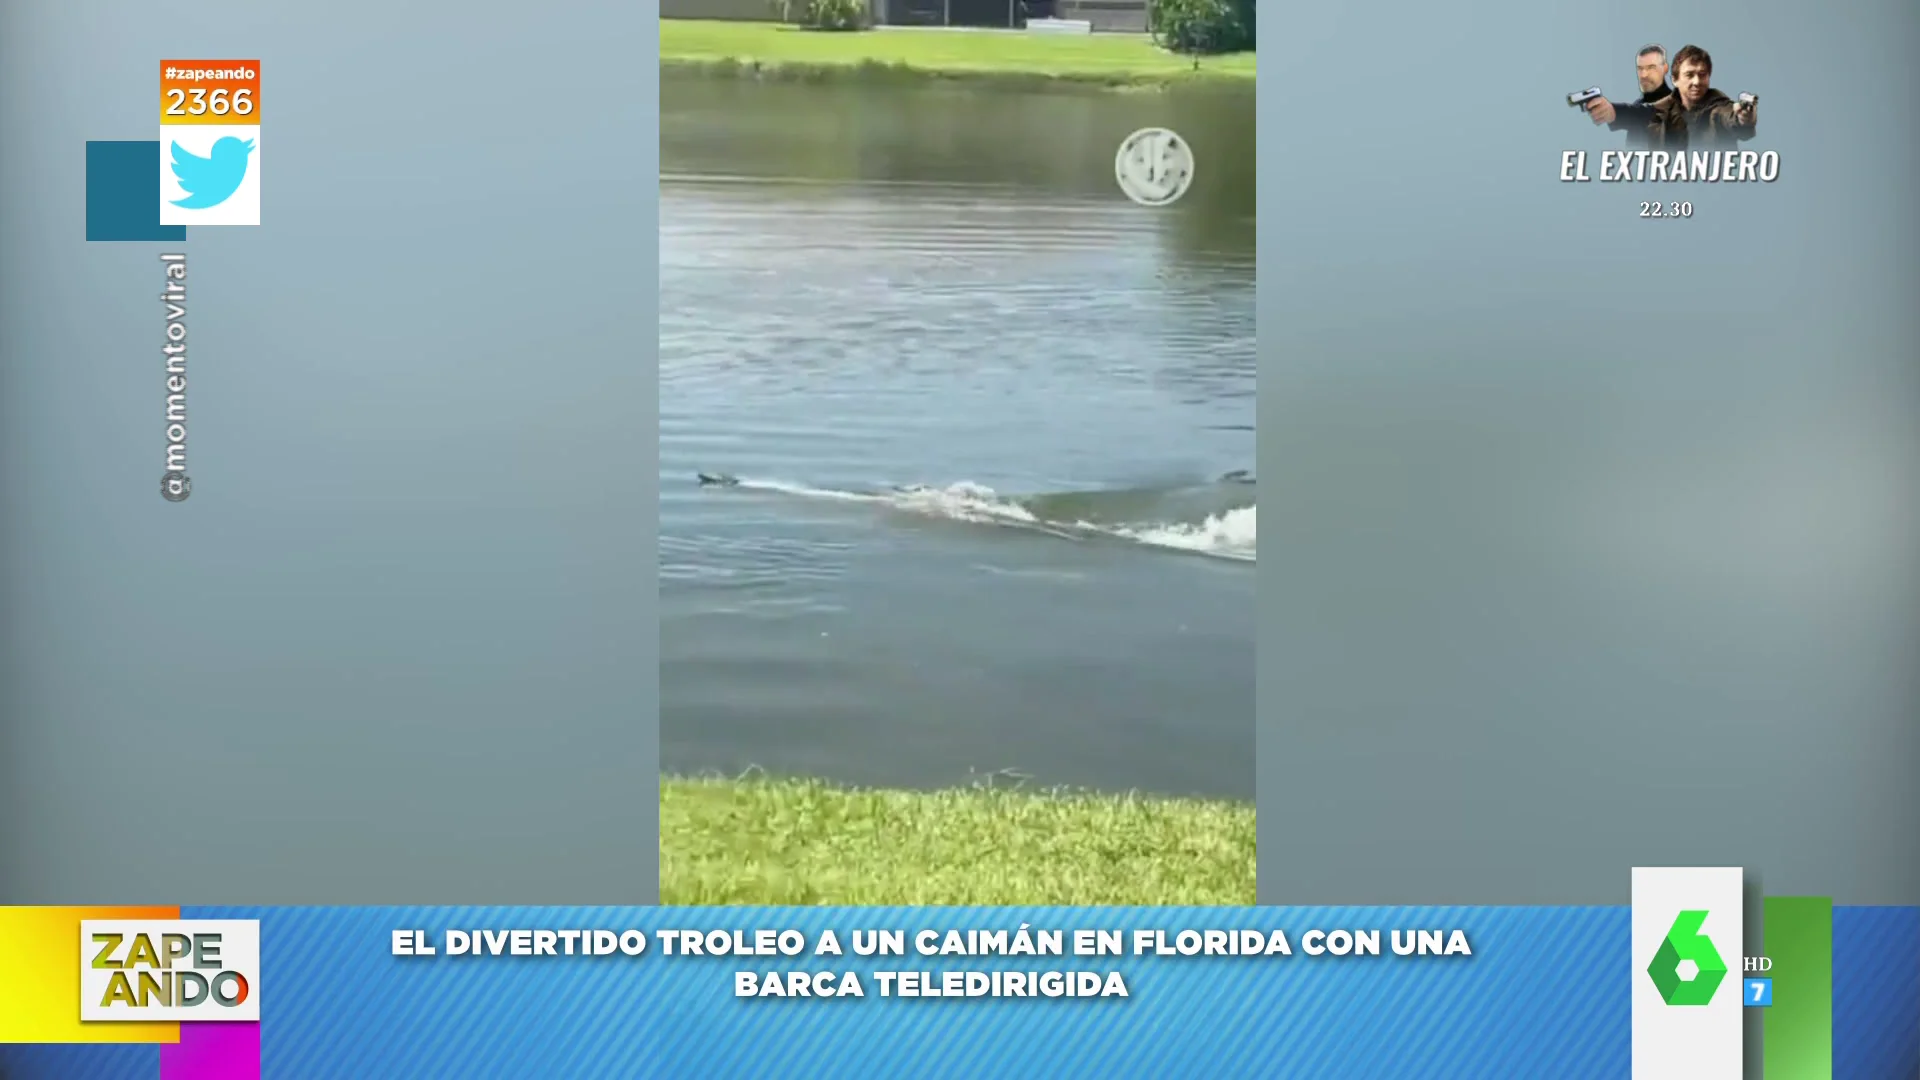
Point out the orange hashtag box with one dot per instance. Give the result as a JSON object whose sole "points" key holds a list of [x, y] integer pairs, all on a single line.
{"points": [[210, 92]]}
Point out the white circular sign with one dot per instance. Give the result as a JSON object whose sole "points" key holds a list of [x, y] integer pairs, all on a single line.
{"points": [[1154, 167]]}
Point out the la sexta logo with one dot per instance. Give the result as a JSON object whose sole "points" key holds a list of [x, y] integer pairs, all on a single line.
{"points": [[1687, 969]]}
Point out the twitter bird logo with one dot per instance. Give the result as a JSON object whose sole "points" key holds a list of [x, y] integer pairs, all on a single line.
{"points": [[210, 181]]}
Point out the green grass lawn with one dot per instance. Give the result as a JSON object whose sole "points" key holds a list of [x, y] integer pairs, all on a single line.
{"points": [[1102, 58], [761, 840]]}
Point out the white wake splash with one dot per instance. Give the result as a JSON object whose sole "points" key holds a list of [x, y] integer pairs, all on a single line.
{"points": [[1232, 534]]}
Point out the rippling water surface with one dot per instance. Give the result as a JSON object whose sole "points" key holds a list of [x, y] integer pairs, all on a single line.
{"points": [[970, 411]]}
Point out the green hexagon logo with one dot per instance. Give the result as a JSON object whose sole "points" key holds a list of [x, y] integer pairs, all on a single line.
{"points": [[1686, 944]]}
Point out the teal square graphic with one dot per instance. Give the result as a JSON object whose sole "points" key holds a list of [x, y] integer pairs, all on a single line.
{"points": [[123, 193]]}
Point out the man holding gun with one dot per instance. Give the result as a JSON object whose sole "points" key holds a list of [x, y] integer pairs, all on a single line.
{"points": [[1651, 66], [1693, 117]]}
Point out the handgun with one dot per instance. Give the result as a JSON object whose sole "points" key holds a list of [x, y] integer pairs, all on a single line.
{"points": [[1749, 99], [1580, 99]]}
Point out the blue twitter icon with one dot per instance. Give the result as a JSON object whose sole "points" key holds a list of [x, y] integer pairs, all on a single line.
{"points": [[212, 180]]}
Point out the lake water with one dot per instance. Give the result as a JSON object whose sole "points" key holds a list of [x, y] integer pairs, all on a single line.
{"points": [[980, 406]]}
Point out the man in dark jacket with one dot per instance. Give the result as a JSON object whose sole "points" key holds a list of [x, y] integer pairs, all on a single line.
{"points": [[1694, 117], [1651, 67], [1708, 119]]}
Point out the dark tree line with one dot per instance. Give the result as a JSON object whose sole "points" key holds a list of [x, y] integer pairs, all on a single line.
{"points": [[1202, 27]]}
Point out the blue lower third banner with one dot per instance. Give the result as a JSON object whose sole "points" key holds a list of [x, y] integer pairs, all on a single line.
{"points": [[876, 992]]}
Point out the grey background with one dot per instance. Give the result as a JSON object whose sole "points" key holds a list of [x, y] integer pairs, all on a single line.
{"points": [[1591, 541], [400, 645]]}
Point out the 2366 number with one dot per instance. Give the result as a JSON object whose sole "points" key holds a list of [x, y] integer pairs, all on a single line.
{"points": [[1666, 210], [216, 102]]}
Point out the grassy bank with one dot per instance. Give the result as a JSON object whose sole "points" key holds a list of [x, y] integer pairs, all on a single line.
{"points": [[769, 50], [772, 841]]}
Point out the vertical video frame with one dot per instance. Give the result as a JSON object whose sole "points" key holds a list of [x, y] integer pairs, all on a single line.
{"points": [[958, 505]]}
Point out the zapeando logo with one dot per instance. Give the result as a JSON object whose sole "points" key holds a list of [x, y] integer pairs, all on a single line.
{"points": [[1684, 945], [169, 969]]}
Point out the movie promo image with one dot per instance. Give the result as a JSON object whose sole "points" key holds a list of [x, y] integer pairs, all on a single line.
{"points": [[958, 497], [1675, 126]]}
